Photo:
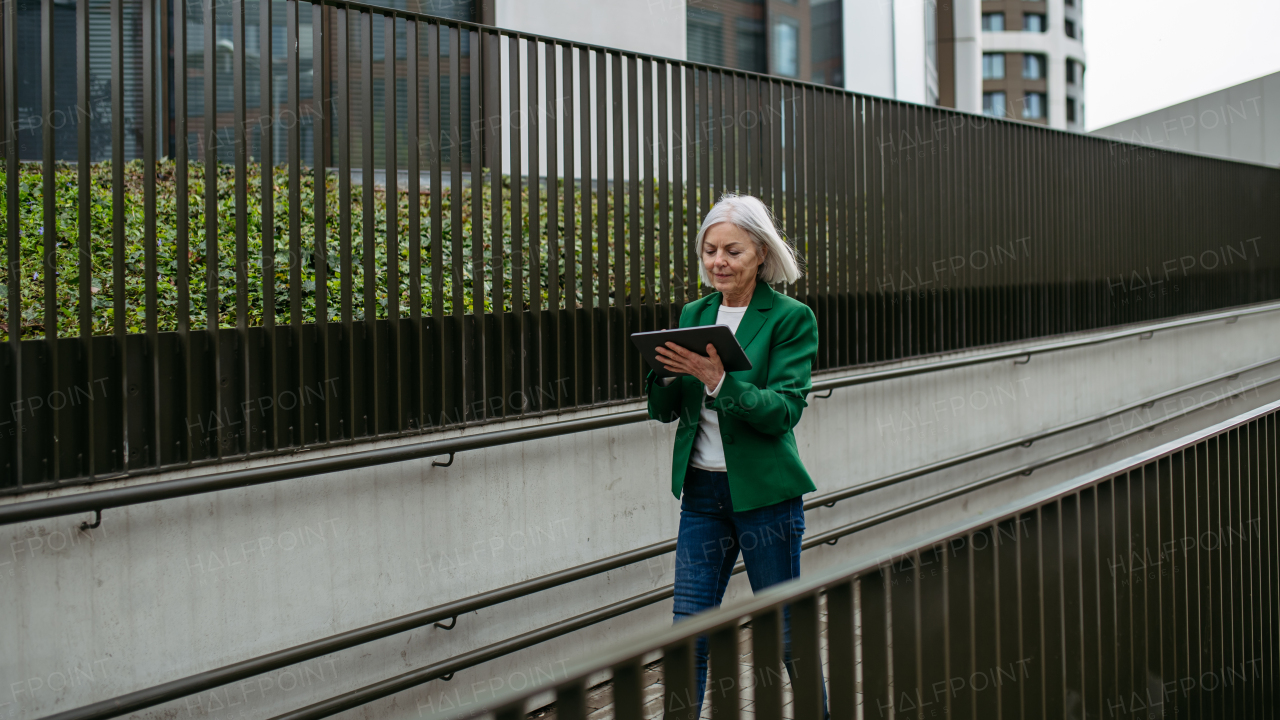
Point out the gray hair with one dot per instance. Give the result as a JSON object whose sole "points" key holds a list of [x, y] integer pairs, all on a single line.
{"points": [[781, 263]]}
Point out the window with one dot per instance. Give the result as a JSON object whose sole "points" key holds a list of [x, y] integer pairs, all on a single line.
{"points": [[1032, 67], [826, 40], [993, 22], [1071, 71], [993, 104], [705, 36], [1069, 27], [1033, 106], [750, 44], [1071, 110], [993, 66], [1033, 22], [786, 47]]}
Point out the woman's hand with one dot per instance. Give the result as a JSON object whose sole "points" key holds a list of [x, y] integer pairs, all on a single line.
{"points": [[708, 369]]}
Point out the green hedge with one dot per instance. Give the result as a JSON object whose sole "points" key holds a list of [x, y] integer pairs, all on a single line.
{"points": [[31, 239]]}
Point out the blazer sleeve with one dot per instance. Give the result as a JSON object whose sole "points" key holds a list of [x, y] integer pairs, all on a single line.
{"points": [[775, 408], [665, 401]]}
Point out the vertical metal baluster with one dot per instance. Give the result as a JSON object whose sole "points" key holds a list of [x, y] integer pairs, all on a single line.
{"points": [[619, 367], [84, 222], [479, 108], [818, 190], [511, 352], [412, 102], [663, 146], [552, 337], [1070, 584], [12, 224], [601, 331], [435, 142], [367, 424], [579, 311], [703, 120], [679, 686], [533, 355], [904, 636], [342, 109], [647, 179], [689, 200], [320, 196], [841, 644], [49, 231], [985, 618], [567, 332], [631, 316], [1110, 634], [392, 223], [874, 592], [267, 224], [715, 134], [296, 354], [960, 627], [724, 680], [240, 150], [628, 698], [183, 217], [1179, 629], [414, 209], [460, 371], [571, 701], [496, 363]]}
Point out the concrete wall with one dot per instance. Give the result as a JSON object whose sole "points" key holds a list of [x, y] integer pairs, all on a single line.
{"points": [[164, 590], [1241, 122]]}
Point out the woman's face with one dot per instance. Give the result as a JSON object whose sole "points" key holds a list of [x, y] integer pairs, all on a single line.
{"points": [[731, 259]]}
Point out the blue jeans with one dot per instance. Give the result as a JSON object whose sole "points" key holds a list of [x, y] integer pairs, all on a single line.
{"points": [[711, 534]]}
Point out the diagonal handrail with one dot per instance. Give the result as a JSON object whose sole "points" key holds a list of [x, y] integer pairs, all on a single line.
{"points": [[98, 500], [182, 687]]}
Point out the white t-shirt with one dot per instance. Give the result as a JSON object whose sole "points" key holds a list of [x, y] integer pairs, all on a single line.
{"points": [[708, 452]]}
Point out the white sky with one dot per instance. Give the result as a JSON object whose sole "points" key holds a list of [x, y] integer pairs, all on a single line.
{"points": [[1144, 55]]}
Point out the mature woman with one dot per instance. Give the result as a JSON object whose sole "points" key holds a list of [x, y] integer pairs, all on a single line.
{"points": [[735, 457]]}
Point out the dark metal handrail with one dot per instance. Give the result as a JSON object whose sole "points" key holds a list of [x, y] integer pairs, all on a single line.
{"points": [[98, 500], [674, 642], [720, 617], [200, 682]]}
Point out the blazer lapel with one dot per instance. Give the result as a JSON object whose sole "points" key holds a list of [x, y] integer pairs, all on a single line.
{"points": [[708, 314], [757, 312]]}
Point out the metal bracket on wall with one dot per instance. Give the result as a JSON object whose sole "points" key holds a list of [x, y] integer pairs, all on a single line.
{"points": [[1026, 359], [97, 521], [437, 463], [1233, 320], [831, 390], [1147, 335], [833, 541], [453, 621]]}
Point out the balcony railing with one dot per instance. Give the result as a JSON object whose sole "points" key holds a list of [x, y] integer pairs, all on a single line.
{"points": [[496, 213]]}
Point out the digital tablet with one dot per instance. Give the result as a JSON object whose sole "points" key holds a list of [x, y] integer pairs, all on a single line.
{"points": [[694, 339]]}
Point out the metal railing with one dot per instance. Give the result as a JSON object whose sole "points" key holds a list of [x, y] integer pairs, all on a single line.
{"points": [[1147, 586], [99, 500], [183, 687], [550, 198]]}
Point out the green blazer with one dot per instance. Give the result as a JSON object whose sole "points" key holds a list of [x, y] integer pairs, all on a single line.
{"points": [[757, 407]]}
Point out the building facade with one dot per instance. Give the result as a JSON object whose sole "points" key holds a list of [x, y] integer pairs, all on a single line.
{"points": [[1241, 122], [1017, 59]]}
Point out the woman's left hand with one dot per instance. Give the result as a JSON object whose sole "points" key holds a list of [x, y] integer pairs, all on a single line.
{"points": [[708, 369]]}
